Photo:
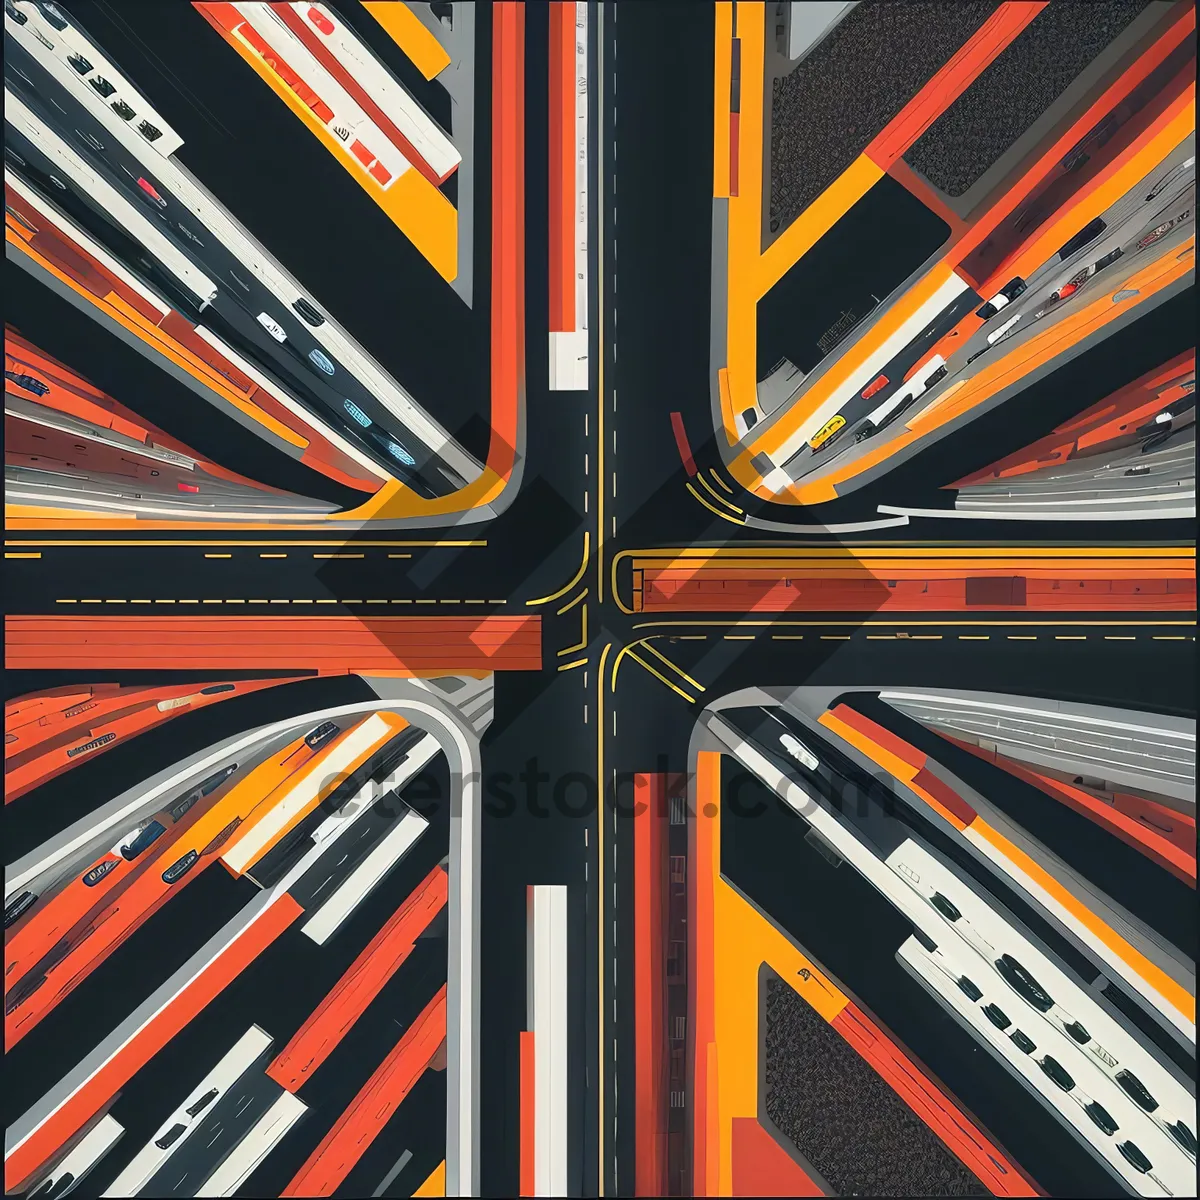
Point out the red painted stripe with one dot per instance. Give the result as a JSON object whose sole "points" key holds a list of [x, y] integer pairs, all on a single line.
{"points": [[372, 1108], [994, 1169], [761, 1166], [879, 735], [980, 50], [333, 1018], [100, 1089], [528, 1185], [681, 441]]}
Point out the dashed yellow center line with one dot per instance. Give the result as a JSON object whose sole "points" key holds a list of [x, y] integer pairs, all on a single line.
{"points": [[1022, 637], [339, 556], [739, 637], [974, 637], [1118, 637], [1169, 637], [218, 556], [9, 554], [272, 556], [1070, 637], [926, 637], [835, 637], [399, 556]]}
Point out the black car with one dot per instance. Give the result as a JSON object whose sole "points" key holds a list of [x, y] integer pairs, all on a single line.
{"points": [[215, 689], [997, 1016], [93, 876], [80, 63], [308, 312], [102, 85], [1184, 1136], [169, 1138], [177, 870], [1136, 1090], [945, 906], [968, 988], [13, 11], [18, 907], [1023, 1042], [1023, 983], [1077, 1032], [1101, 1118], [143, 841], [30, 383], [150, 132], [203, 1102], [325, 732], [122, 110], [1054, 1070], [1134, 1157]]}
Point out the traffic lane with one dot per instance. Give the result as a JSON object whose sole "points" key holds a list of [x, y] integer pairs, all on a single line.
{"points": [[767, 856], [335, 1085], [418, 1127], [1127, 664], [652, 367], [119, 982], [214, 1137], [246, 293], [333, 867], [58, 803], [251, 165], [56, 326], [278, 991], [538, 826]]}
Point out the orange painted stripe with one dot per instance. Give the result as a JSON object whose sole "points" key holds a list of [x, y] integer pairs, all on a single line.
{"points": [[650, 1119], [528, 1185], [74, 1113], [962, 1137], [348, 999], [562, 166], [372, 1108], [404, 27], [968, 63], [880, 736], [958, 814]]}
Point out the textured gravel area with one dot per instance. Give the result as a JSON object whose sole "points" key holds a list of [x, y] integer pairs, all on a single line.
{"points": [[1009, 96], [827, 111], [842, 1117]]}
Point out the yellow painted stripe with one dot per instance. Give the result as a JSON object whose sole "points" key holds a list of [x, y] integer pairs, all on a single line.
{"points": [[404, 27]]}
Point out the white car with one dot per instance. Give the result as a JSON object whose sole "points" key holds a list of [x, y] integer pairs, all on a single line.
{"points": [[799, 751], [272, 327]]}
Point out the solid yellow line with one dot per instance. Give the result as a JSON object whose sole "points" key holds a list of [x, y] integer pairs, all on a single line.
{"points": [[679, 670], [34, 555], [562, 591], [662, 678], [721, 482], [918, 624], [579, 662], [570, 603], [600, 882], [899, 550], [715, 511]]}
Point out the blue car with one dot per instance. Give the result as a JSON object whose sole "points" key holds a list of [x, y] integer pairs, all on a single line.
{"points": [[319, 361]]}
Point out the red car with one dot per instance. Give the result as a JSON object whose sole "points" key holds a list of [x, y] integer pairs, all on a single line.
{"points": [[151, 192]]}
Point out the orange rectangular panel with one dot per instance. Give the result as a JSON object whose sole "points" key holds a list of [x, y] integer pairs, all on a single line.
{"points": [[372, 1108], [333, 1018]]}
